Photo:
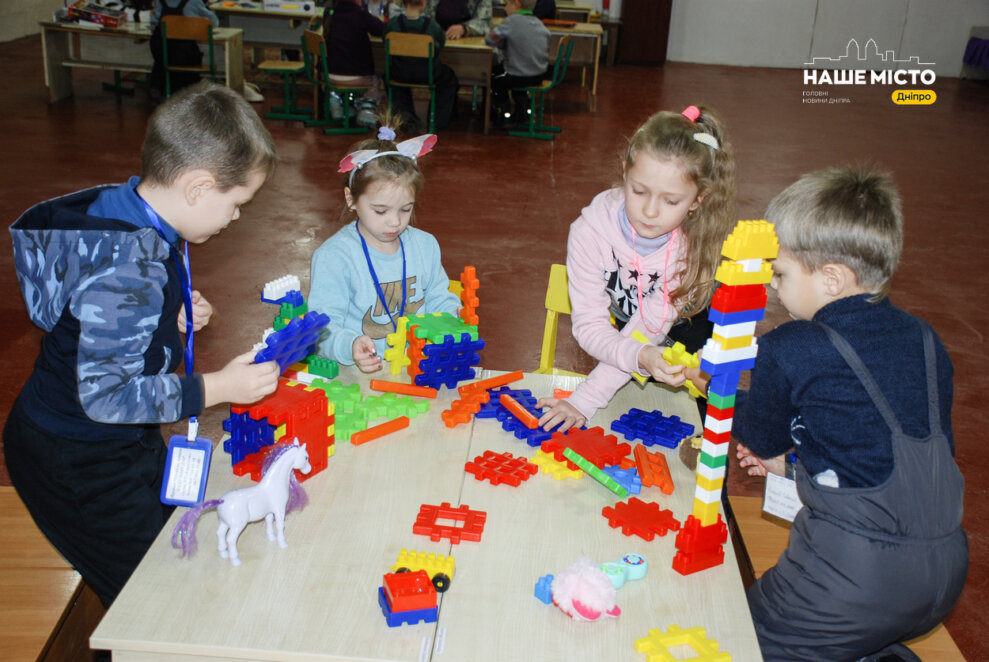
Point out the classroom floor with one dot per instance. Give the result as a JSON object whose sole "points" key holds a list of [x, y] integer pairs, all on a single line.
{"points": [[505, 204]]}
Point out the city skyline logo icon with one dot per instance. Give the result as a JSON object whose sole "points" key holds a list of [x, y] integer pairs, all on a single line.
{"points": [[866, 57]]}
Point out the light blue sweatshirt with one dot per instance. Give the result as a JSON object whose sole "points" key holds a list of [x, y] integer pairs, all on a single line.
{"points": [[341, 287]]}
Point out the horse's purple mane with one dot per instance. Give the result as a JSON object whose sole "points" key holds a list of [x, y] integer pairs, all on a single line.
{"points": [[297, 497]]}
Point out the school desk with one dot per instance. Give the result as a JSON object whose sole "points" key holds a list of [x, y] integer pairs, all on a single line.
{"points": [[66, 46], [282, 28], [317, 598]]}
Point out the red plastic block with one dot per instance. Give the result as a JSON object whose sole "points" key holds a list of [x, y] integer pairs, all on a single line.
{"points": [[593, 444], [518, 411], [377, 431], [717, 437], [737, 298], [499, 468], [653, 469], [408, 591], [471, 528], [490, 382], [699, 547], [641, 518], [720, 414], [403, 389]]}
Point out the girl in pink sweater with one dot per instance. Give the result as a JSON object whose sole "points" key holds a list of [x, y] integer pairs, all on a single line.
{"points": [[645, 252]]}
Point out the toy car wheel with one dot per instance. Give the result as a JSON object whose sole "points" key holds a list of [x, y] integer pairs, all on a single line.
{"points": [[402, 570], [441, 582]]}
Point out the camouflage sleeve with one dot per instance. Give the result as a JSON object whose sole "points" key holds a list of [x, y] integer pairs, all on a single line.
{"points": [[119, 310], [480, 23]]}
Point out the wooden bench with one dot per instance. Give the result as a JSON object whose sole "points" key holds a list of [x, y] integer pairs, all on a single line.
{"points": [[759, 540], [46, 611]]}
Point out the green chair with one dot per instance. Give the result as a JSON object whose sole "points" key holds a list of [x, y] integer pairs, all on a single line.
{"points": [[537, 95], [404, 44], [314, 54], [191, 28], [288, 70]]}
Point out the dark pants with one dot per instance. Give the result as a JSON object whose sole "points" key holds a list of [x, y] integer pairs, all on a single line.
{"points": [[417, 72], [502, 83], [96, 501], [181, 53]]}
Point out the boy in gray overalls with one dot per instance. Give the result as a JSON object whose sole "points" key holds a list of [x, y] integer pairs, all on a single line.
{"points": [[861, 391]]}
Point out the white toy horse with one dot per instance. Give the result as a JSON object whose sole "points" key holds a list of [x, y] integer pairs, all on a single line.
{"points": [[278, 493]]}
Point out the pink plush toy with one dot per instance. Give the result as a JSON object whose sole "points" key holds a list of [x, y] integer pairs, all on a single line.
{"points": [[584, 592]]}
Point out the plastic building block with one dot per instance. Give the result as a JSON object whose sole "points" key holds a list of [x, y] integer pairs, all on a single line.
{"points": [[549, 465], [627, 478], [652, 428], [594, 472], [468, 278], [727, 319], [640, 518], [678, 355], [471, 523], [657, 645], [543, 592], [735, 273], [405, 617], [377, 431], [490, 382], [699, 547], [628, 568], [439, 567], [592, 444], [501, 468], [404, 389], [294, 342], [751, 240], [247, 435], [461, 411], [322, 367], [414, 353], [276, 290], [653, 469], [449, 362], [409, 591], [517, 410], [435, 327], [392, 405], [395, 354], [561, 394], [733, 299]]}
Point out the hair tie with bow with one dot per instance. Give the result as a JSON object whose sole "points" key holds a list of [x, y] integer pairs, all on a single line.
{"points": [[693, 113]]}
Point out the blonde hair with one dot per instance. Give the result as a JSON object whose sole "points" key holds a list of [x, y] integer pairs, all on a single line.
{"points": [[392, 168], [210, 127], [669, 136], [849, 215]]}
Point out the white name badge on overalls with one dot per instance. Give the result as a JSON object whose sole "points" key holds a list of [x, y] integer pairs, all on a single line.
{"points": [[186, 469], [781, 498]]}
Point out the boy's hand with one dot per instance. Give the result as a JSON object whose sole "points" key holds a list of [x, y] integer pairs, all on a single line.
{"points": [[366, 355], [456, 31], [651, 362], [202, 311], [755, 466], [560, 411], [241, 381]]}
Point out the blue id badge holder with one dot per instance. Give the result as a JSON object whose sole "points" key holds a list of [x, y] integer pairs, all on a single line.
{"points": [[186, 468]]}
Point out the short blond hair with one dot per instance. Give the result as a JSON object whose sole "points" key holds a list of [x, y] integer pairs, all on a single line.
{"points": [[850, 216]]}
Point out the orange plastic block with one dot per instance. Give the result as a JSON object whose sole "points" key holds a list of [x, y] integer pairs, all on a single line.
{"points": [[561, 394], [626, 463], [414, 352], [653, 469], [469, 296], [491, 382], [518, 411], [462, 410], [371, 434], [403, 389]]}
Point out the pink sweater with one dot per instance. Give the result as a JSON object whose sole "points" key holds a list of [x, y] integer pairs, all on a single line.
{"points": [[599, 267]]}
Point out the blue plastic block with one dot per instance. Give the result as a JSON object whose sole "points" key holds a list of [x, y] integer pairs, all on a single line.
{"points": [[295, 342], [247, 436], [724, 384], [731, 366], [293, 297], [725, 319], [543, 591], [627, 478], [449, 362], [411, 617], [491, 408], [652, 427]]}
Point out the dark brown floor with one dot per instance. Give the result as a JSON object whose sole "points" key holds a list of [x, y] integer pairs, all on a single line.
{"points": [[504, 205]]}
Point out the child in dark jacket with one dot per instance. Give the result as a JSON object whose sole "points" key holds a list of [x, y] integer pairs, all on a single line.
{"points": [[349, 60]]}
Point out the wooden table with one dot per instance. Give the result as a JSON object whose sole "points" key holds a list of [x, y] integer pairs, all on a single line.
{"points": [[282, 28], [69, 45], [316, 600]]}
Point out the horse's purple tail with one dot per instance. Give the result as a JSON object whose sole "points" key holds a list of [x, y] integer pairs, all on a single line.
{"points": [[297, 497], [184, 534]]}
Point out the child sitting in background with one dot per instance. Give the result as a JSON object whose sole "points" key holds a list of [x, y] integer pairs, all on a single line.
{"points": [[523, 42], [862, 391], [349, 60], [415, 70], [646, 253], [377, 268], [100, 272], [181, 52]]}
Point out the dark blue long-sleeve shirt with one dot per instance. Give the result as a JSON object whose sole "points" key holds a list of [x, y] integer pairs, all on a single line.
{"points": [[804, 395]]}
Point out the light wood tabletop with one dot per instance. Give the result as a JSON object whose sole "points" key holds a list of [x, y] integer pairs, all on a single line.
{"points": [[317, 599]]}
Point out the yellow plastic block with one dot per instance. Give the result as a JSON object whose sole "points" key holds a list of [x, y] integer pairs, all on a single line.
{"points": [[678, 355], [706, 513], [432, 563], [332, 430], [331, 450], [657, 644], [732, 273], [752, 240], [395, 354], [733, 343], [299, 367], [710, 484], [280, 431], [638, 335], [549, 465]]}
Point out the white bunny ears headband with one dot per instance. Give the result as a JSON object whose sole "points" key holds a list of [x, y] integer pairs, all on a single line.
{"points": [[412, 148]]}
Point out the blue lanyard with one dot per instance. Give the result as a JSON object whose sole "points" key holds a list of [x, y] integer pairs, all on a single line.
{"points": [[374, 277]]}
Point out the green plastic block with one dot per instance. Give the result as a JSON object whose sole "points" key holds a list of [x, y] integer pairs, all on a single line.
{"points": [[393, 405], [721, 401], [713, 462], [346, 398], [326, 368], [435, 327], [348, 423], [594, 472]]}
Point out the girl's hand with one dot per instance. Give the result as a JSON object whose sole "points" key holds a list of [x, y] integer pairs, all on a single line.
{"points": [[560, 411], [202, 311], [366, 355], [241, 381], [755, 466], [651, 362]]}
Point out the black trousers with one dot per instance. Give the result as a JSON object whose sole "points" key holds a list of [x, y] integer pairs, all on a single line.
{"points": [[444, 79], [502, 83], [96, 501]]}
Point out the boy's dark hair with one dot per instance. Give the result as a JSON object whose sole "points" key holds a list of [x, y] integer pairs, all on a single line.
{"points": [[210, 127], [849, 216]]}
